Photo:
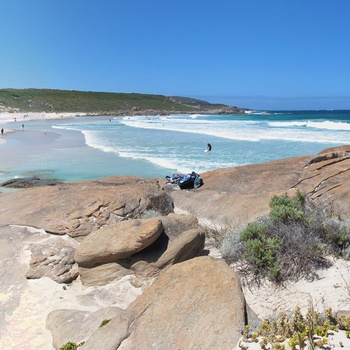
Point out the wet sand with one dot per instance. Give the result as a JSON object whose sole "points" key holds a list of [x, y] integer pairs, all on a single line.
{"points": [[28, 148], [39, 150]]}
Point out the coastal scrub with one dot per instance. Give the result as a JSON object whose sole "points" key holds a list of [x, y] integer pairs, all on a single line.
{"points": [[297, 330], [290, 243]]}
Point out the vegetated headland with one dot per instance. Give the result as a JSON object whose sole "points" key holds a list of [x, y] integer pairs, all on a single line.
{"points": [[105, 103]]}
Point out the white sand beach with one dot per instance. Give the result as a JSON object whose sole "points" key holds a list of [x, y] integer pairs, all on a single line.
{"points": [[29, 142], [20, 118], [6, 117]]}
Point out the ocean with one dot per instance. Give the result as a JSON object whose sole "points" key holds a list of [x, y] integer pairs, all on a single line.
{"points": [[84, 148]]}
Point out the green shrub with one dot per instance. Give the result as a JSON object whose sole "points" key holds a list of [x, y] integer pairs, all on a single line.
{"points": [[286, 209], [336, 235], [254, 230], [292, 242], [260, 249]]}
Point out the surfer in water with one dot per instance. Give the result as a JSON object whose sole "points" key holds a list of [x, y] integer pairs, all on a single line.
{"points": [[208, 148]]}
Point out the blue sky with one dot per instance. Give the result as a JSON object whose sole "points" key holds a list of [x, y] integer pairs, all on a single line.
{"points": [[272, 54]]}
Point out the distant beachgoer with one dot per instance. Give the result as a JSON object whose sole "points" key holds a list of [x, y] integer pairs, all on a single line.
{"points": [[208, 148], [22, 126], [2, 131]]}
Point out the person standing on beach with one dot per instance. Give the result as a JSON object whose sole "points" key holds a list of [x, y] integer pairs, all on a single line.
{"points": [[2, 131]]}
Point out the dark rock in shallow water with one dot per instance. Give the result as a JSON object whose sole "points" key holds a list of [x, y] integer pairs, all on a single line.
{"points": [[25, 182]]}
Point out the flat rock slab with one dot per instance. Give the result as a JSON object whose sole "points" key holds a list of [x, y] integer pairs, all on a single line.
{"points": [[75, 326], [76, 209]]}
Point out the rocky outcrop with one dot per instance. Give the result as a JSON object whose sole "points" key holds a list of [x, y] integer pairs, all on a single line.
{"points": [[29, 182], [54, 260], [325, 179], [192, 302], [234, 196], [210, 314], [117, 241], [142, 247], [182, 239], [77, 326], [229, 197], [197, 304], [77, 209]]}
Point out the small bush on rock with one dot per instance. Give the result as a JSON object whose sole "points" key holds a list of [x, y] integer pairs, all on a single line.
{"points": [[104, 322], [71, 346], [290, 243]]}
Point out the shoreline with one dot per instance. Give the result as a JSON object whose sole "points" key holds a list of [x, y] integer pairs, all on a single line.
{"points": [[7, 117], [61, 154], [153, 147]]}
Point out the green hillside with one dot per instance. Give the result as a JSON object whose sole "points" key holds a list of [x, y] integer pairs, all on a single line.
{"points": [[47, 100]]}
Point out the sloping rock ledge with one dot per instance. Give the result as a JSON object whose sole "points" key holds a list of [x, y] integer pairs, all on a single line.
{"points": [[93, 233]]}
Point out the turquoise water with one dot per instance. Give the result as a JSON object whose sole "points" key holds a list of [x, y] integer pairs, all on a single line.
{"points": [[156, 146]]}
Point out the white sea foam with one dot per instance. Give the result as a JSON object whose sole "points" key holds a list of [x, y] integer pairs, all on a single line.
{"points": [[195, 126], [329, 125], [176, 142], [238, 130], [163, 159], [93, 139], [258, 112], [65, 127], [250, 130]]}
